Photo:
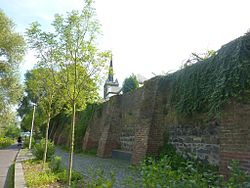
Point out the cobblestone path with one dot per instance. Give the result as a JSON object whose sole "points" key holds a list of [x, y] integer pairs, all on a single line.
{"points": [[87, 164]]}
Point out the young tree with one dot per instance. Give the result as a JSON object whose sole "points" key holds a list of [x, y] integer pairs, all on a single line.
{"points": [[130, 84], [12, 49], [79, 63], [44, 89]]}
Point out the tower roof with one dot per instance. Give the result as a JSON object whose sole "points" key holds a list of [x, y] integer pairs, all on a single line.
{"points": [[111, 72]]}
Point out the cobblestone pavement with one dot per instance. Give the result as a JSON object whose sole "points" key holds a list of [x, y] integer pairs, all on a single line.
{"points": [[7, 157], [87, 164]]}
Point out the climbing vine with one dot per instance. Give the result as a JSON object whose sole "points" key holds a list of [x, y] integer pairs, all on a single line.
{"points": [[207, 85]]}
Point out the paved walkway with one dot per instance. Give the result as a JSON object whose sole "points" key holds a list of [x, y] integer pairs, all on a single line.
{"points": [[88, 164], [7, 157], [23, 155]]}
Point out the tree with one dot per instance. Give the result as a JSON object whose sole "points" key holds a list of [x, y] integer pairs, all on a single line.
{"points": [[130, 84], [79, 63], [45, 91], [195, 57], [12, 49]]}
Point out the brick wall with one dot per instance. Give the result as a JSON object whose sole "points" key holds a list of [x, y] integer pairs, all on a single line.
{"points": [[94, 129], [235, 136], [138, 121]]}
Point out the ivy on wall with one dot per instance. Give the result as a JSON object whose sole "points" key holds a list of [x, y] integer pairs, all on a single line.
{"points": [[205, 87]]}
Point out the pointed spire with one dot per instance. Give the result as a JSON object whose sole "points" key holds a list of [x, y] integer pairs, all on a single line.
{"points": [[111, 72]]}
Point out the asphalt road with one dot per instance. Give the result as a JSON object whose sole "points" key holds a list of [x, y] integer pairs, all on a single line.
{"points": [[7, 157]]}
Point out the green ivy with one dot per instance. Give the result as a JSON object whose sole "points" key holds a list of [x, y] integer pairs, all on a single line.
{"points": [[83, 119], [206, 86]]}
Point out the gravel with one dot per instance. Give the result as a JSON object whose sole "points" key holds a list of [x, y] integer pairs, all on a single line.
{"points": [[88, 165]]}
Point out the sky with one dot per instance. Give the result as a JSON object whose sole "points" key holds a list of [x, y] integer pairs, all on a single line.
{"points": [[149, 37]]}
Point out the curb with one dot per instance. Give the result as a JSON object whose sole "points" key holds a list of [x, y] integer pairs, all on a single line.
{"points": [[19, 181]]}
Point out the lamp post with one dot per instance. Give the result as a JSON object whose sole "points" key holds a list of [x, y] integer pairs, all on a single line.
{"points": [[32, 124]]}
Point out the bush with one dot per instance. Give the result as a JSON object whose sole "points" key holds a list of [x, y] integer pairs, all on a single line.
{"points": [[35, 177], [5, 142], [55, 164], [173, 170], [40, 179], [12, 131], [99, 179], [27, 141], [63, 176], [238, 177], [38, 150]]}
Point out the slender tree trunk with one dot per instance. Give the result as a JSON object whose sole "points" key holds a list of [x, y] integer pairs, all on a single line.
{"points": [[72, 143], [46, 142]]}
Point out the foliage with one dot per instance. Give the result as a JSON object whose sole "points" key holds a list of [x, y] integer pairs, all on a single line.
{"points": [[35, 177], [82, 121], [98, 179], [55, 164], [130, 84], [48, 177], [41, 86], [38, 150], [169, 172], [5, 142], [238, 177], [210, 83], [26, 142], [7, 118], [173, 170], [92, 151], [63, 176], [12, 131], [72, 52], [12, 48]]}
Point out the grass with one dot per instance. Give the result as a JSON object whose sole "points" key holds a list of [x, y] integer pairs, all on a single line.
{"points": [[10, 177], [35, 177], [91, 152]]}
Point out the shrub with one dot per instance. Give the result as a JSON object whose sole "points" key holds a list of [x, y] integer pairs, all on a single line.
{"points": [[38, 150], [41, 178], [12, 131], [99, 179], [55, 164], [34, 177], [167, 172], [5, 142], [63, 176], [238, 177], [27, 141]]}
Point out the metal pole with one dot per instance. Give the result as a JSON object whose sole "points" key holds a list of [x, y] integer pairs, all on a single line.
{"points": [[32, 126]]}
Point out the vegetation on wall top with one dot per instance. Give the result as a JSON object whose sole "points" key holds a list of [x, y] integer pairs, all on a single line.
{"points": [[209, 84]]}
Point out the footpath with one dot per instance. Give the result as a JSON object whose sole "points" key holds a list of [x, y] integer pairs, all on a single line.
{"points": [[7, 157], [23, 155]]}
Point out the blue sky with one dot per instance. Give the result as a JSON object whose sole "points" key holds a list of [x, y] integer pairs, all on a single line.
{"points": [[145, 36]]}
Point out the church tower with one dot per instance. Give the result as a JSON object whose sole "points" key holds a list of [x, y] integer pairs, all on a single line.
{"points": [[111, 87]]}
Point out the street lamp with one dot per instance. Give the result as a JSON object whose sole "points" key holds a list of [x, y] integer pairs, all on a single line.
{"points": [[32, 124]]}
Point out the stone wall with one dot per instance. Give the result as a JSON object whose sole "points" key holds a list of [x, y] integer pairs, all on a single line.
{"points": [[199, 140], [138, 121]]}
